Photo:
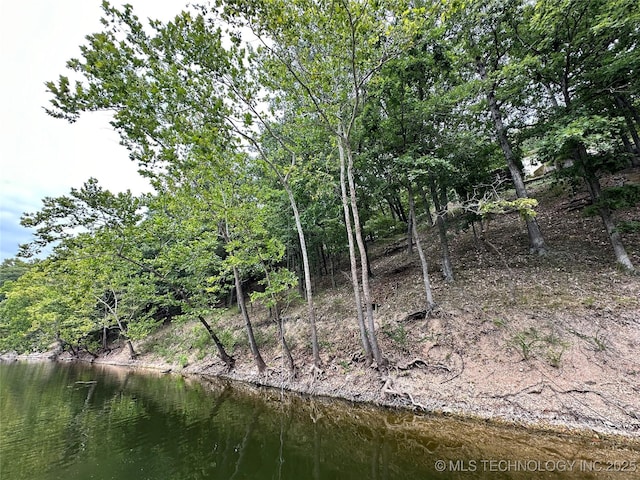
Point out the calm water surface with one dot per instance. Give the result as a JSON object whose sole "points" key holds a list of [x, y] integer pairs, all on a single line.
{"points": [[74, 421]]}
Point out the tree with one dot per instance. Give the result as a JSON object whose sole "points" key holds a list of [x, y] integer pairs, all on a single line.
{"points": [[320, 56], [115, 222], [43, 307], [489, 41], [172, 92], [571, 60], [11, 269]]}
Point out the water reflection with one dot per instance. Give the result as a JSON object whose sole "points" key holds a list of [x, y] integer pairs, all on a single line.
{"points": [[76, 422]]}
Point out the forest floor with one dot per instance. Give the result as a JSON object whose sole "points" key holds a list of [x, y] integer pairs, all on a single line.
{"points": [[548, 342]]}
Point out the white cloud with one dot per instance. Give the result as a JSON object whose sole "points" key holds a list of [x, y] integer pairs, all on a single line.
{"points": [[39, 155]]}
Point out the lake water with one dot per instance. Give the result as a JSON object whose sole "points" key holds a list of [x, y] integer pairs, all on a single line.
{"points": [[74, 421]]}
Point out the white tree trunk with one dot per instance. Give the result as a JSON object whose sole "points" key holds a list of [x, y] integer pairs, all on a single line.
{"points": [[366, 288]]}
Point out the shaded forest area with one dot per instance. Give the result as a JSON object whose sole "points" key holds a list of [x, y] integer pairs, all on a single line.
{"points": [[300, 148]]}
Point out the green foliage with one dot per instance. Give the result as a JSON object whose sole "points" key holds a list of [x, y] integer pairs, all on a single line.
{"points": [[235, 135], [42, 306], [524, 206], [617, 198], [383, 227], [630, 226], [397, 333], [525, 341], [11, 269], [531, 342]]}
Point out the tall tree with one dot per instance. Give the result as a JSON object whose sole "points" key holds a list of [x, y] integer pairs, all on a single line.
{"points": [[484, 29], [584, 35], [116, 222], [173, 89], [325, 53]]}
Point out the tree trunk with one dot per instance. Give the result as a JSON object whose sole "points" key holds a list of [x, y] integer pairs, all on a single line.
{"points": [[595, 192], [222, 352], [286, 351], [423, 258], [132, 353], [366, 289], [311, 310], [536, 240], [182, 295], [394, 214], [224, 356], [441, 212], [628, 113], [247, 322], [426, 205], [324, 260], [364, 335], [332, 268], [400, 208], [410, 230]]}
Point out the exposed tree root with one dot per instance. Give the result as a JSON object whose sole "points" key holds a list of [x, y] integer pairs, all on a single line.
{"points": [[418, 361], [387, 389], [538, 388]]}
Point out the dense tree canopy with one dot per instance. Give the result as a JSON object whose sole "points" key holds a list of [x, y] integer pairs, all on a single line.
{"points": [[283, 137]]}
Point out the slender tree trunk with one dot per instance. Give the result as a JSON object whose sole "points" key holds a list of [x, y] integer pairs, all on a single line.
{"points": [[423, 258], [536, 240], [628, 113], [426, 205], [394, 214], [632, 109], [332, 265], [441, 212], [595, 192], [366, 251], [364, 335], [132, 353], [402, 215], [286, 351], [324, 259], [410, 229], [311, 310], [366, 288], [627, 144], [182, 295], [224, 356], [222, 352], [247, 322]]}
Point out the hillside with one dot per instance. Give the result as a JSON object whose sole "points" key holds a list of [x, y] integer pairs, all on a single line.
{"points": [[550, 340]]}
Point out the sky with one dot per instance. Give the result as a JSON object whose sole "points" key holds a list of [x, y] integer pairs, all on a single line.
{"points": [[42, 156]]}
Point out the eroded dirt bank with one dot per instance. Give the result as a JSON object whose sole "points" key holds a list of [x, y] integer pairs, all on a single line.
{"points": [[546, 342]]}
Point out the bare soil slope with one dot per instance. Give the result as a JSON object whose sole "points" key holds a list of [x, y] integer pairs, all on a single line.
{"points": [[552, 341]]}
